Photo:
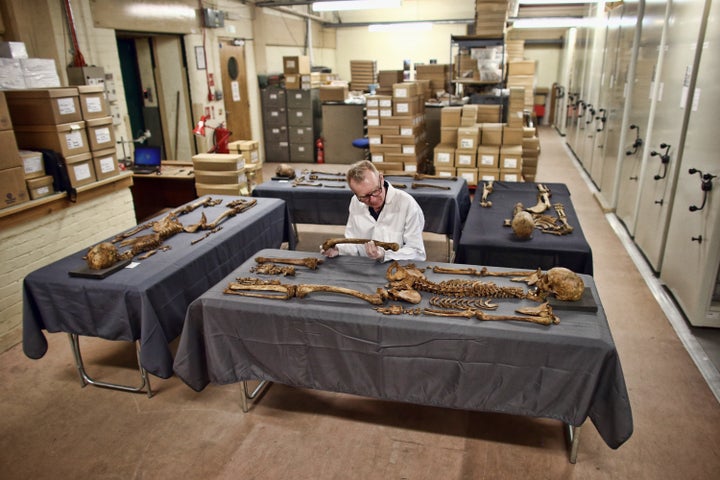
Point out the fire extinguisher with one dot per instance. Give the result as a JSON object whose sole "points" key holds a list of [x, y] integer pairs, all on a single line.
{"points": [[320, 146]]}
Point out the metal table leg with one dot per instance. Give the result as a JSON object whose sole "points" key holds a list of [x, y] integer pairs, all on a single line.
{"points": [[85, 379], [573, 439], [250, 396]]}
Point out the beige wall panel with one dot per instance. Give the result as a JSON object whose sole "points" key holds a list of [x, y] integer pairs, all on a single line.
{"points": [[171, 16]]}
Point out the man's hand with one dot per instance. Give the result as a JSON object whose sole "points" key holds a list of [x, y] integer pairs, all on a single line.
{"points": [[330, 252], [374, 252]]}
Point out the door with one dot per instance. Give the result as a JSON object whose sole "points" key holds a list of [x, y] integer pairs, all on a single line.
{"points": [[234, 84]]}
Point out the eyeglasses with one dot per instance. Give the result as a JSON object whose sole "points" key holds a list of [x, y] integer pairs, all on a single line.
{"points": [[373, 194]]}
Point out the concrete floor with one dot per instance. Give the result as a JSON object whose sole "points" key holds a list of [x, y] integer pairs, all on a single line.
{"points": [[51, 428]]}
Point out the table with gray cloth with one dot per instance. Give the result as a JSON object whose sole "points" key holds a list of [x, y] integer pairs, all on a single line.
{"points": [[444, 210], [485, 241], [326, 341], [148, 302]]}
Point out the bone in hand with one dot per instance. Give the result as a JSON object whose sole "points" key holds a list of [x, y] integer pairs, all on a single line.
{"points": [[331, 242], [429, 185], [309, 262]]}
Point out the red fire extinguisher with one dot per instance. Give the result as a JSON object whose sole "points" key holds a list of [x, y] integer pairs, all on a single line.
{"points": [[320, 146]]}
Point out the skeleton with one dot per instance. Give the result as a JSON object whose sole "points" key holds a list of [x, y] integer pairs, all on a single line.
{"points": [[487, 190], [238, 208], [541, 314], [310, 262], [207, 234], [483, 272], [205, 202], [463, 303], [275, 290], [543, 200], [272, 269], [331, 242], [560, 281], [429, 185]]}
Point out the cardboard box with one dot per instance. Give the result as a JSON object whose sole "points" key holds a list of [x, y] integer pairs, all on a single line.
{"points": [[488, 174], [492, 133], [13, 50], [385, 148], [511, 175], [68, 139], [249, 149], [81, 169], [512, 135], [381, 130], [298, 82], [401, 121], [227, 177], [218, 162], [9, 154], [510, 157], [466, 158], [488, 156], [389, 166], [449, 135], [410, 106], [468, 137], [450, 116], [51, 106], [13, 189], [254, 175], [5, 121], [105, 163], [92, 101], [405, 90], [296, 64], [444, 155], [100, 133], [521, 67], [333, 93], [443, 171], [410, 166], [469, 174], [40, 187], [234, 189], [33, 164]]}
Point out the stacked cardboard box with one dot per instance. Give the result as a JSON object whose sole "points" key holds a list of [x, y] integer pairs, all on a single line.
{"points": [[13, 189], [514, 50], [53, 119], [298, 74], [396, 128], [530, 153], [249, 150], [220, 174], [521, 73], [99, 128], [386, 80], [362, 74], [516, 107], [438, 75], [491, 17]]}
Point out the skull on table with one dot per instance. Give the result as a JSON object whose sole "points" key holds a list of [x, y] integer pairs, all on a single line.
{"points": [[562, 282]]}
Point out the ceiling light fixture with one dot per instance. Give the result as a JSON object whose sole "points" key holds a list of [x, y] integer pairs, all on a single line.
{"points": [[554, 22], [355, 5], [400, 27]]}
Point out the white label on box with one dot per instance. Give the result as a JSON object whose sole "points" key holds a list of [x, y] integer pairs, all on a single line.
{"points": [[443, 157], [444, 174], [74, 140], [373, 112], [510, 162], [403, 107], [33, 164], [401, 93], [93, 104], [467, 143], [385, 112], [373, 102], [377, 157], [66, 106], [488, 177], [82, 171], [510, 177], [290, 63], [102, 135], [42, 190], [406, 131], [373, 122], [386, 102], [487, 160], [374, 140], [408, 149], [107, 164], [411, 167], [470, 177], [463, 159]]}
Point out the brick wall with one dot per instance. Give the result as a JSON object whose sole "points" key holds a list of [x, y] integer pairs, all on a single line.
{"points": [[27, 247]]}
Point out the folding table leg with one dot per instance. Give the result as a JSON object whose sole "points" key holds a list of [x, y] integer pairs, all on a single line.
{"points": [[250, 396], [85, 379], [573, 438]]}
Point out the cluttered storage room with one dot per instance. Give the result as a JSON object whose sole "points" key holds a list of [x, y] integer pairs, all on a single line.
{"points": [[367, 239]]}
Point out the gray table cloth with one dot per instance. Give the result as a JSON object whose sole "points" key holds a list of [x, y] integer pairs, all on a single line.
{"points": [[325, 341], [485, 241], [445, 210], [148, 303]]}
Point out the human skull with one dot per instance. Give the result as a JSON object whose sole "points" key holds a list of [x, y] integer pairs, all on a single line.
{"points": [[523, 225], [102, 255], [284, 170], [563, 283]]}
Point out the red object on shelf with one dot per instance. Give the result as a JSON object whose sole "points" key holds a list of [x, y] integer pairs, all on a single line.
{"points": [[320, 145], [539, 110]]}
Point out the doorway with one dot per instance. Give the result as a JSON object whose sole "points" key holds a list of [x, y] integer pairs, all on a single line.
{"points": [[234, 84]]}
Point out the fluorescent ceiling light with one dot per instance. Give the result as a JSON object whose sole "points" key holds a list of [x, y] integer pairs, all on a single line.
{"points": [[355, 5], [555, 2], [554, 22], [401, 27]]}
